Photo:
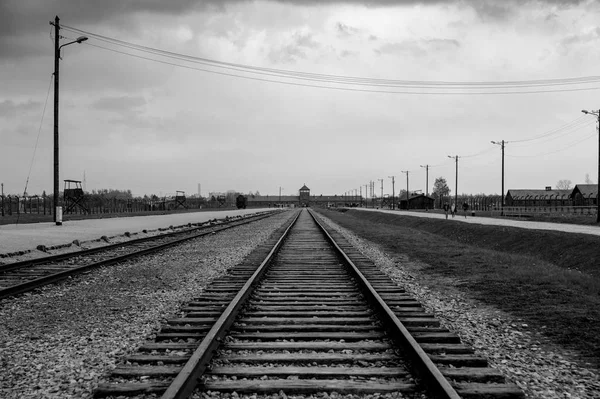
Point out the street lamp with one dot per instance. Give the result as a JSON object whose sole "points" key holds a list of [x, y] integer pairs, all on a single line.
{"points": [[597, 113], [57, 48], [501, 143]]}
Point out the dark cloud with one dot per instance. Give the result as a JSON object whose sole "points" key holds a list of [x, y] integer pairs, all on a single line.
{"points": [[34, 15], [24, 24], [27, 15], [10, 109]]}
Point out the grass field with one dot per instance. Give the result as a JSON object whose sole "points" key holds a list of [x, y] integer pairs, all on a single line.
{"points": [[551, 280]]}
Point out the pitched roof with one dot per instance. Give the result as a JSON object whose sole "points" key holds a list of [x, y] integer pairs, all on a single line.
{"points": [[304, 188], [587, 190], [522, 194]]}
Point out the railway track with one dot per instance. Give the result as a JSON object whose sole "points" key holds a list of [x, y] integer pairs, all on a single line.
{"points": [[20, 277], [306, 314]]}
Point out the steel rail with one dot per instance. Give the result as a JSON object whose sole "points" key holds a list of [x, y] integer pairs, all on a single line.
{"points": [[84, 252], [185, 382], [437, 384], [52, 278]]}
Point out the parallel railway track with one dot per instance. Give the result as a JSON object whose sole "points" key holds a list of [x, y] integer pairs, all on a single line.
{"points": [[305, 314], [20, 277]]}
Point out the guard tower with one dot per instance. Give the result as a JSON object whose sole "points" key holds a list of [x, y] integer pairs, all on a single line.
{"points": [[180, 199], [74, 197], [304, 196]]}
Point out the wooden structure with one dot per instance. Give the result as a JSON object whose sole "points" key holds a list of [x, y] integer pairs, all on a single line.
{"points": [[585, 195], [180, 199], [547, 197], [74, 196], [304, 196], [417, 201]]}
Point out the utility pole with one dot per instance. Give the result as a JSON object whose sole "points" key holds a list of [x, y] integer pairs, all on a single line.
{"points": [[2, 197], [456, 183], [597, 113], [406, 171], [426, 179], [381, 200], [280, 196], [56, 66], [393, 191], [501, 143], [57, 48], [366, 197]]}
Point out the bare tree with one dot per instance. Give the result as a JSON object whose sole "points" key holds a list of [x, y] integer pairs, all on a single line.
{"points": [[587, 179], [564, 184]]}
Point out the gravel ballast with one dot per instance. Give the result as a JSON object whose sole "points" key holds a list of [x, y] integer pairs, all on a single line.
{"points": [[58, 341], [542, 370]]}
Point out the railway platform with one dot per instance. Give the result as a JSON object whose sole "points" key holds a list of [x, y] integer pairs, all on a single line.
{"points": [[523, 224], [27, 237]]}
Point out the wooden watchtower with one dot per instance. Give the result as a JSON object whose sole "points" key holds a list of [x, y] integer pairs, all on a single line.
{"points": [[180, 199], [74, 196]]}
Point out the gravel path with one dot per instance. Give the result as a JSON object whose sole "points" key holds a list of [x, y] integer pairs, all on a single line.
{"points": [[522, 224], [541, 369], [58, 341]]}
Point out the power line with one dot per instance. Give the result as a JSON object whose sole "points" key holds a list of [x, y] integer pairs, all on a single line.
{"points": [[450, 87], [582, 120], [556, 151]]}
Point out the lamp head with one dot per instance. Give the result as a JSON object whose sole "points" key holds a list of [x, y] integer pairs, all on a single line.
{"points": [[81, 39]]}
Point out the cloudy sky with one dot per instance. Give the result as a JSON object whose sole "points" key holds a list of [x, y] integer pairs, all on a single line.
{"points": [[257, 95]]}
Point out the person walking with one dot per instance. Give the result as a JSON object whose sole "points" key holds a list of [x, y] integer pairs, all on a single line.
{"points": [[446, 209], [453, 209], [465, 208]]}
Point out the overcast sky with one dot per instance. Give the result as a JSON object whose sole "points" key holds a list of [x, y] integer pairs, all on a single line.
{"points": [[157, 127]]}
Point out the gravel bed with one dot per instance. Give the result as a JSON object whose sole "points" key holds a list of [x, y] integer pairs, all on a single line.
{"points": [[42, 251], [58, 341], [526, 357]]}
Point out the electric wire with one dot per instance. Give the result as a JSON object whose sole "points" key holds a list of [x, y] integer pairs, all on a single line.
{"points": [[578, 80], [333, 87], [553, 152], [37, 140], [345, 80], [568, 125]]}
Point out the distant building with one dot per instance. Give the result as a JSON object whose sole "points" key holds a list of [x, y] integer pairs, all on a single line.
{"points": [[303, 199], [547, 197], [585, 195], [417, 201]]}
